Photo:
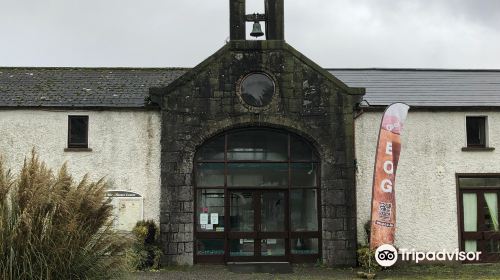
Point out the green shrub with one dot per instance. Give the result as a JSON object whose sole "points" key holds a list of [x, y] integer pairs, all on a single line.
{"points": [[145, 252], [54, 228], [366, 259]]}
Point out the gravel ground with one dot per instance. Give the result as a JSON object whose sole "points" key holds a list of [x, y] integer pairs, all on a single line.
{"points": [[219, 272]]}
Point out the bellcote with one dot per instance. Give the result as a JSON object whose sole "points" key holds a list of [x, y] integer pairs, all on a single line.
{"points": [[273, 17]]}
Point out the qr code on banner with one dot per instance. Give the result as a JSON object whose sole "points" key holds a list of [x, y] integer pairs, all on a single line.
{"points": [[384, 210]]}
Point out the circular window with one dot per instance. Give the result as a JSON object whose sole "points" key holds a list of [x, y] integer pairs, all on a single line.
{"points": [[257, 89]]}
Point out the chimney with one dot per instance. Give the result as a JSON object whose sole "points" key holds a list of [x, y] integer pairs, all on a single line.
{"points": [[274, 18]]}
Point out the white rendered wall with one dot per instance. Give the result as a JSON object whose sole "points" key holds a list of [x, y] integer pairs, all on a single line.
{"points": [[125, 147], [426, 192]]}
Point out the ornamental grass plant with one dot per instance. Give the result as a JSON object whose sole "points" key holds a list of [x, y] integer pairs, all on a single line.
{"points": [[52, 227]]}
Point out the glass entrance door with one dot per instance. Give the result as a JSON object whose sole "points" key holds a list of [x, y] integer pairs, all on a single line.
{"points": [[257, 225]]}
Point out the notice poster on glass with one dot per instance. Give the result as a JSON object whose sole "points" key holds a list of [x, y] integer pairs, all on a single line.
{"points": [[203, 219], [210, 227], [214, 218]]}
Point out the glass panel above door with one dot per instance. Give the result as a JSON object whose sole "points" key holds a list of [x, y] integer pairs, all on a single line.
{"points": [[257, 145], [210, 174], [304, 174], [257, 174], [212, 150], [479, 182], [301, 150]]}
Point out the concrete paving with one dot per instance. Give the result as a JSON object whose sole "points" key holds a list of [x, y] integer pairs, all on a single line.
{"points": [[220, 272]]}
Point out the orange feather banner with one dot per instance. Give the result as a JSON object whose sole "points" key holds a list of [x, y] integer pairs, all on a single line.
{"points": [[383, 215]]}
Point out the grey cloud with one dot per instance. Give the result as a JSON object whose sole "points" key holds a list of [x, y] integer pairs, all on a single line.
{"points": [[334, 33]]}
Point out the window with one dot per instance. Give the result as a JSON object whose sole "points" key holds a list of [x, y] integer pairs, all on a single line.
{"points": [[257, 89], [476, 131], [78, 127]]}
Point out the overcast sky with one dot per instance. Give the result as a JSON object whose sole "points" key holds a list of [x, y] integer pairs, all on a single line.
{"points": [[181, 33]]}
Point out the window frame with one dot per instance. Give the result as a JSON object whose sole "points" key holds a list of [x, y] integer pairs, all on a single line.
{"points": [[486, 133], [73, 145]]}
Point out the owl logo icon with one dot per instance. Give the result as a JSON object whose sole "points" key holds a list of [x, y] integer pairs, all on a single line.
{"points": [[386, 255]]}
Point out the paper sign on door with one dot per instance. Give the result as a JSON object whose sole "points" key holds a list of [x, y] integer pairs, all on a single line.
{"points": [[203, 219], [214, 218]]}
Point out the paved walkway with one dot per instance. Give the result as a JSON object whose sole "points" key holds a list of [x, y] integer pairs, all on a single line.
{"points": [[219, 272]]}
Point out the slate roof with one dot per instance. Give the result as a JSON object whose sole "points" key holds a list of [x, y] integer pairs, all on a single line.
{"points": [[425, 87], [81, 87], [128, 87]]}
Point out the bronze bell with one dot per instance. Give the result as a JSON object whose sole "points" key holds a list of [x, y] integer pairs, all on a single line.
{"points": [[257, 30]]}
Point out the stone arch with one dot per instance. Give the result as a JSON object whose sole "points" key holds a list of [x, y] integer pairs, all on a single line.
{"points": [[177, 201]]}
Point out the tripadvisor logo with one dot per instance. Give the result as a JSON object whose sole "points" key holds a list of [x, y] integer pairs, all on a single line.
{"points": [[386, 255]]}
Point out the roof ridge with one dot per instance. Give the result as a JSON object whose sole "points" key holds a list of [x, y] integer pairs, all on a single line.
{"points": [[188, 68], [92, 68], [415, 69]]}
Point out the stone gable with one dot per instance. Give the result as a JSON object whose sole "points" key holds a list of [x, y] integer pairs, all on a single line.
{"points": [[308, 101]]}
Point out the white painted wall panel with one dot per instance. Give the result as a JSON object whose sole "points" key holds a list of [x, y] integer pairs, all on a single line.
{"points": [[125, 147], [426, 191]]}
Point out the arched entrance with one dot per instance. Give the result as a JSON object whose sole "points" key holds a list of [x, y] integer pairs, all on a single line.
{"points": [[257, 197]]}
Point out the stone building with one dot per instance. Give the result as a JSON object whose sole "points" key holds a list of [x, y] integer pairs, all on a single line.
{"points": [[259, 154]]}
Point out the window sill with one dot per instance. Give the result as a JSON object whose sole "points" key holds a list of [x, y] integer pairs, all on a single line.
{"points": [[477, 149], [78, 150]]}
